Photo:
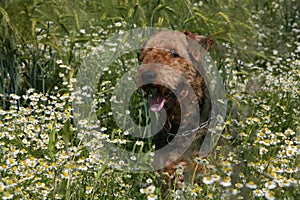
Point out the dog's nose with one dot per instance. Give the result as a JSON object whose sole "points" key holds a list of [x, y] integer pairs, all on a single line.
{"points": [[149, 75]]}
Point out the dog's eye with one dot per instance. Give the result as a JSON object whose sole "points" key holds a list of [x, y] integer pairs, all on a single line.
{"points": [[174, 53]]}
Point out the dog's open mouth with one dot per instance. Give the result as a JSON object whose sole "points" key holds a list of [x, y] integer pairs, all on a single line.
{"points": [[157, 102], [160, 97]]}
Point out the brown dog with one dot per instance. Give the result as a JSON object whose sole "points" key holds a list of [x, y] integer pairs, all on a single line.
{"points": [[170, 67]]}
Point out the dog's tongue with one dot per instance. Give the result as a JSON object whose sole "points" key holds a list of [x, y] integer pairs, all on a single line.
{"points": [[157, 103]]}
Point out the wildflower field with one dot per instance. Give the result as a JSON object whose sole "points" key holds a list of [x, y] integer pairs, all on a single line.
{"points": [[46, 44]]}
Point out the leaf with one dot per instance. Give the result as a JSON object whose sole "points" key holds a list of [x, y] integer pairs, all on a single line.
{"points": [[188, 20], [66, 132], [52, 142], [170, 9], [5, 15], [159, 7], [203, 18], [133, 10], [101, 171]]}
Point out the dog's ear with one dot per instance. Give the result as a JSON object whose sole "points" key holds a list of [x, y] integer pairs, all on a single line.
{"points": [[205, 42]]}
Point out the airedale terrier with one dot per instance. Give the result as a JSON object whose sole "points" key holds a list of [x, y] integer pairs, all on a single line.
{"points": [[170, 68]]}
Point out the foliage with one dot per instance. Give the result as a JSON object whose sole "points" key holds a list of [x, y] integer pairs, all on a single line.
{"points": [[43, 155]]}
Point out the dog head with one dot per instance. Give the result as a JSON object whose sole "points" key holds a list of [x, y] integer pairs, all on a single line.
{"points": [[167, 67]]}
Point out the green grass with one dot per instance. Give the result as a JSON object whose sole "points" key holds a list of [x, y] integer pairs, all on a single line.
{"points": [[44, 154]]}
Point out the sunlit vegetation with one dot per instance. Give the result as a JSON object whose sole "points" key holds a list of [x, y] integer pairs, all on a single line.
{"points": [[43, 44]]}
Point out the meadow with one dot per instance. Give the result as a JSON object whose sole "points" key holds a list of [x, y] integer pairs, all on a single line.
{"points": [[44, 153]]}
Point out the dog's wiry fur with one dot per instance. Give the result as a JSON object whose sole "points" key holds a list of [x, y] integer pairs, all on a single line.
{"points": [[181, 53]]}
